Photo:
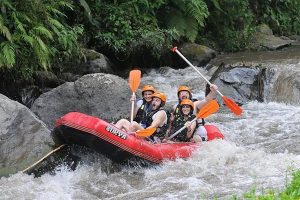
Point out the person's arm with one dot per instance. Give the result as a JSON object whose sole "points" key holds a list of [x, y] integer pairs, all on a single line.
{"points": [[199, 104], [211, 95], [190, 128], [172, 113], [137, 105], [159, 118]]}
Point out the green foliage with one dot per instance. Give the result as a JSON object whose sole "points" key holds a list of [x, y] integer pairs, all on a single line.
{"points": [[126, 27], [33, 34], [186, 16], [293, 189], [230, 23], [269, 195], [282, 16], [291, 192], [7, 54], [156, 41], [41, 34]]}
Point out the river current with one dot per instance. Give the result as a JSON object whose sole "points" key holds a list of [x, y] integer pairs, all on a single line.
{"points": [[260, 151]]}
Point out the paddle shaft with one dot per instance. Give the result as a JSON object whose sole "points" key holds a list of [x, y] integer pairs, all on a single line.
{"points": [[132, 109], [43, 158], [181, 129], [190, 64], [228, 102]]}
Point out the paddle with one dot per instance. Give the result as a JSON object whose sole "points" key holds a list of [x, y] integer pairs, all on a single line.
{"points": [[134, 82], [228, 102], [145, 132], [210, 108]]}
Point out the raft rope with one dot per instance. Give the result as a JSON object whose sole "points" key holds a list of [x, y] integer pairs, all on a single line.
{"points": [[47, 155]]}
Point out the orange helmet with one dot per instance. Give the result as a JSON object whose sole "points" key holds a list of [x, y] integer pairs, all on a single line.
{"points": [[183, 88], [148, 88], [160, 95], [187, 102]]}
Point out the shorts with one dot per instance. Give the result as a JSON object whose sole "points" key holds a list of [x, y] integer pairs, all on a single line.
{"points": [[201, 131], [143, 125]]}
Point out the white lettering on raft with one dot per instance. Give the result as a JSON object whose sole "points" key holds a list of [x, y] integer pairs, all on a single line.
{"points": [[116, 132]]}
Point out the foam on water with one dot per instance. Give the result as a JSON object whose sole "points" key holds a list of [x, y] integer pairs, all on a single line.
{"points": [[260, 150]]}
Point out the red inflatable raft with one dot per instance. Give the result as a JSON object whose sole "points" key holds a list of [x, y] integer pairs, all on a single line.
{"points": [[105, 138]]}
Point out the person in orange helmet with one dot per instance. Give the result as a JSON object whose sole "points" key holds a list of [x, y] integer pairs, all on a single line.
{"points": [[184, 92], [157, 118], [143, 106], [184, 119]]}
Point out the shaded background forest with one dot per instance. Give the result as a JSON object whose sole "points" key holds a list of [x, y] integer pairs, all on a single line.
{"points": [[54, 35]]}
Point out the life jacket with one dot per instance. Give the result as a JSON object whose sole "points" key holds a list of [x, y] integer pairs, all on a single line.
{"points": [[177, 113], [142, 111], [160, 131], [177, 124]]}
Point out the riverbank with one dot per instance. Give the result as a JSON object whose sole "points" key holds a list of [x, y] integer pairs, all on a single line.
{"points": [[258, 57]]}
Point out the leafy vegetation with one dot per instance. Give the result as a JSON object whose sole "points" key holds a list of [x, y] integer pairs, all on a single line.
{"points": [[186, 16], [291, 192], [48, 32], [130, 26], [230, 24], [34, 35], [282, 16], [49, 35], [127, 29]]}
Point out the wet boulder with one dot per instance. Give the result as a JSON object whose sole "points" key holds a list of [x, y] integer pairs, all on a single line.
{"points": [[24, 138], [240, 83], [263, 38], [95, 63], [198, 55], [284, 86], [102, 95]]}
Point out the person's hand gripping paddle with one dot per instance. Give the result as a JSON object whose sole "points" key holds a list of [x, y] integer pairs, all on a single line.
{"points": [[210, 108], [134, 82], [228, 102]]}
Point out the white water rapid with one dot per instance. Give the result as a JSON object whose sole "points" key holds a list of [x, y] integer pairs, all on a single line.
{"points": [[261, 150]]}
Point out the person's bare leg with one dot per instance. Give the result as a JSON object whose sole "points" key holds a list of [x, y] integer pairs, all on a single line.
{"points": [[135, 127], [196, 138], [123, 124]]}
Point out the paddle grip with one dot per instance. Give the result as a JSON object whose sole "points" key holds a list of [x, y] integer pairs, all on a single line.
{"points": [[132, 109], [181, 129]]}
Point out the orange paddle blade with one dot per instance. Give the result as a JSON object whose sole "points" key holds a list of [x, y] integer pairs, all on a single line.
{"points": [[134, 79], [210, 108], [232, 106], [145, 132]]}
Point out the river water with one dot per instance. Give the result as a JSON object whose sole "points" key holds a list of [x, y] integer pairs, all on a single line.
{"points": [[260, 151]]}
